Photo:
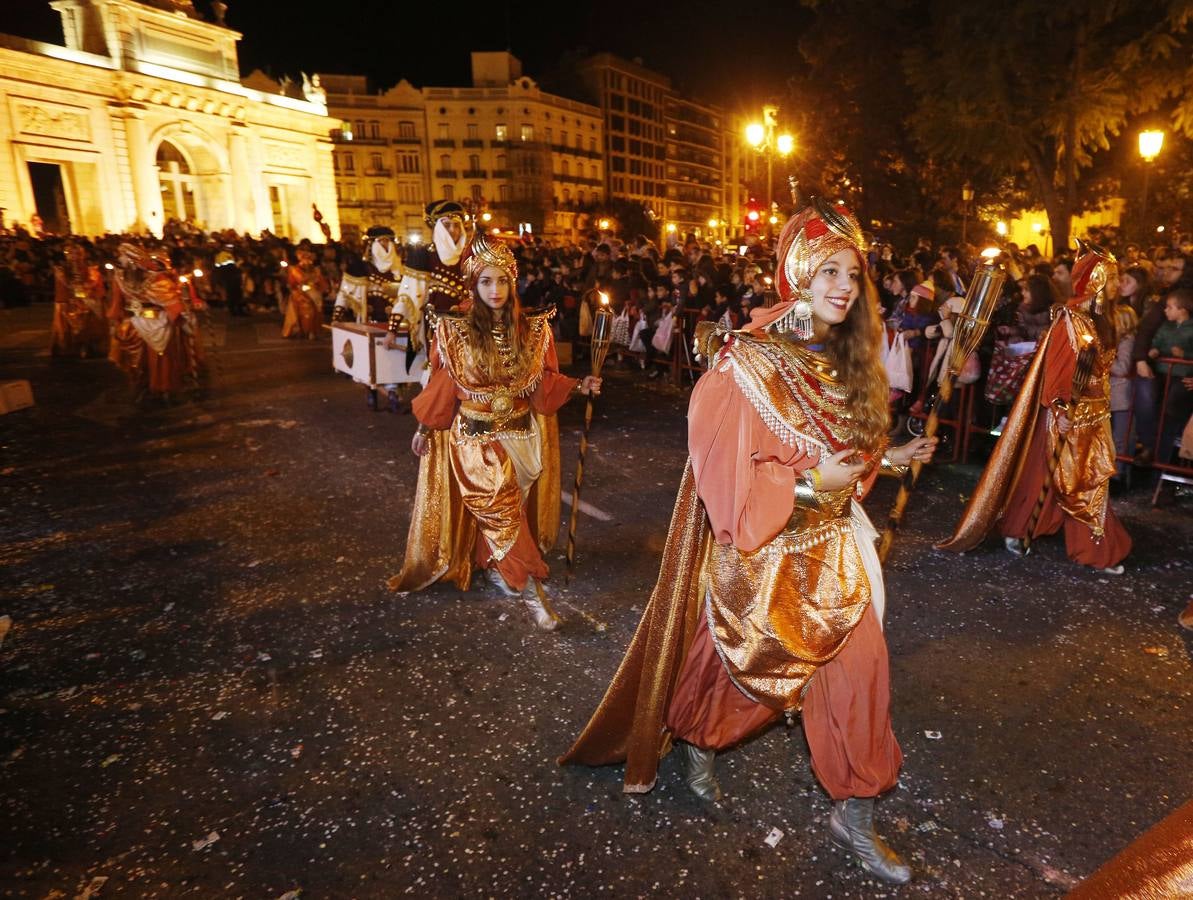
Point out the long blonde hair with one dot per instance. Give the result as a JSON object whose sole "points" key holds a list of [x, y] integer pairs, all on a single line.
{"points": [[855, 348]]}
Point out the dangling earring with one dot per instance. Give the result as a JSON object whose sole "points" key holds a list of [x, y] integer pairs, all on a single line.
{"points": [[798, 319]]}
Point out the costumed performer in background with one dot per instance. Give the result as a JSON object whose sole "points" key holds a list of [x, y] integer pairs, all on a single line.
{"points": [[770, 595], [306, 286], [156, 337], [1047, 419], [368, 289], [488, 480], [80, 328]]}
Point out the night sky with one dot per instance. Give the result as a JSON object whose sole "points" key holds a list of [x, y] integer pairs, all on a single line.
{"points": [[739, 57]]}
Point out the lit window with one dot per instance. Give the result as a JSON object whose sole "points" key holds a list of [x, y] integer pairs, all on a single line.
{"points": [[501, 133]]}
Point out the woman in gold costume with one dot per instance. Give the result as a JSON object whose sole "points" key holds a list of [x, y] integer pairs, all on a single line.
{"points": [[155, 341], [488, 481], [1064, 416], [305, 289], [770, 595], [80, 328]]}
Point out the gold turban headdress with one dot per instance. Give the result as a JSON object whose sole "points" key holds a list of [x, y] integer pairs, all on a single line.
{"points": [[489, 251], [811, 236], [1094, 275]]}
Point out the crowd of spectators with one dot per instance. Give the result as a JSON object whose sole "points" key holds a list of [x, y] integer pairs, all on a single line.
{"points": [[658, 294]]}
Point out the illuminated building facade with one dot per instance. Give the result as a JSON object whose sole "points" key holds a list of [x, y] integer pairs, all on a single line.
{"points": [[502, 146], [141, 117], [633, 100], [379, 155]]}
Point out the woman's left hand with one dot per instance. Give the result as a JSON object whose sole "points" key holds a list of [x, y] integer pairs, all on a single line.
{"points": [[916, 450], [591, 385]]}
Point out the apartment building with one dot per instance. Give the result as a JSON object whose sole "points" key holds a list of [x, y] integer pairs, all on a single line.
{"points": [[632, 99], [379, 155], [508, 147]]}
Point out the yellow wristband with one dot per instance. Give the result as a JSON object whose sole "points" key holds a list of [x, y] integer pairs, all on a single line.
{"points": [[814, 475]]}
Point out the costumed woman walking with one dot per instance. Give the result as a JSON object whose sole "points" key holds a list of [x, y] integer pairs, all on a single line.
{"points": [[770, 594], [488, 480], [306, 286], [155, 341], [1058, 434], [80, 328]]}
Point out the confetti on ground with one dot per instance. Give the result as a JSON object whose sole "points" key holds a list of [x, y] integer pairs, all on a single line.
{"points": [[205, 842], [773, 837]]}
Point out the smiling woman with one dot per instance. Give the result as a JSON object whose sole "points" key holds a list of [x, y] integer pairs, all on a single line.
{"points": [[770, 595]]}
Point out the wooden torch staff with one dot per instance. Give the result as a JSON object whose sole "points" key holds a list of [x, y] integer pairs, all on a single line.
{"points": [[602, 330], [968, 328], [1086, 357]]}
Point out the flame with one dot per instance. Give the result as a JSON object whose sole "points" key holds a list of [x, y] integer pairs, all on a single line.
{"points": [[991, 253], [604, 298]]}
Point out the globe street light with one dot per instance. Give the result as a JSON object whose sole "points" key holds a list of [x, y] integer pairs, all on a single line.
{"points": [[1150, 144], [762, 137]]}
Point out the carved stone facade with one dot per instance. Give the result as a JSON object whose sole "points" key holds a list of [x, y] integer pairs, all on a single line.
{"points": [[142, 117]]}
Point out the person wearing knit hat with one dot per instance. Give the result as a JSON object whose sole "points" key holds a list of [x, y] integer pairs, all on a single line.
{"points": [[770, 595], [488, 479]]}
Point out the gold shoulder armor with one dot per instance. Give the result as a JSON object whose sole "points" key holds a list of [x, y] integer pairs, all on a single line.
{"points": [[710, 338]]}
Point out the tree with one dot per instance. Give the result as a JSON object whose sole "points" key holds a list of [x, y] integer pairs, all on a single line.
{"points": [[1042, 86]]}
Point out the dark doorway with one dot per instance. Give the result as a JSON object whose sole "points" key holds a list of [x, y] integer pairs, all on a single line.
{"points": [[49, 195]]}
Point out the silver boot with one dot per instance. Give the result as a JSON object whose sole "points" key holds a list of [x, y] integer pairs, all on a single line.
{"points": [[498, 582], [539, 603], [699, 774], [851, 825]]}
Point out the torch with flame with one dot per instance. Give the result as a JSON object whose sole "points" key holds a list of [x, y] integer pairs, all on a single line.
{"points": [[602, 333], [971, 324]]}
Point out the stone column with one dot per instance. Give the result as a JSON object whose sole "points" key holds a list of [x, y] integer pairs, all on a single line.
{"points": [[243, 212], [143, 169]]}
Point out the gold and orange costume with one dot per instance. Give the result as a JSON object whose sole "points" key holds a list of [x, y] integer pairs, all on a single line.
{"points": [[1079, 498], [156, 337], [488, 489], [763, 604], [80, 327], [306, 286]]}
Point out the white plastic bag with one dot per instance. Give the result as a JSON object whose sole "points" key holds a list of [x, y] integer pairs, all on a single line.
{"points": [[662, 334], [900, 370], [636, 342]]}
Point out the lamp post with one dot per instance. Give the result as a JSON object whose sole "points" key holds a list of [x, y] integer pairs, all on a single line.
{"points": [[763, 137], [966, 199], [1150, 144]]}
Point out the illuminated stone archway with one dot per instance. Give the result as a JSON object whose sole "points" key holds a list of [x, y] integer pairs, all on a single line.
{"points": [[193, 176]]}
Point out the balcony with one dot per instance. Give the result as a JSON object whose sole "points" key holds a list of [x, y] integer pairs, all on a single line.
{"points": [[348, 204], [502, 173], [499, 144], [379, 204], [408, 140], [379, 173], [445, 142], [447, 174], [473, 142], [337, 137], [476, 174]]}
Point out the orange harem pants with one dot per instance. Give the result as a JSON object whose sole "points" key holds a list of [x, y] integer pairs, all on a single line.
{"points": [[846, 712], [1080, 544]]}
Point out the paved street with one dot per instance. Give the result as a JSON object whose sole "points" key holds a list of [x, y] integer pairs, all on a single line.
{"points": [[208, 691]]}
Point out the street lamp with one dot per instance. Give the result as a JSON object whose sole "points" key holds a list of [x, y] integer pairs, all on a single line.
{"points": [[966, 199], [1150, 144], [763, 138]]}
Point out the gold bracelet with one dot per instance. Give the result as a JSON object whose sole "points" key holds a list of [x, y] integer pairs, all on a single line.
{"points": [[814, 475], [805, 495], [423, 429], [889, 467]]}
